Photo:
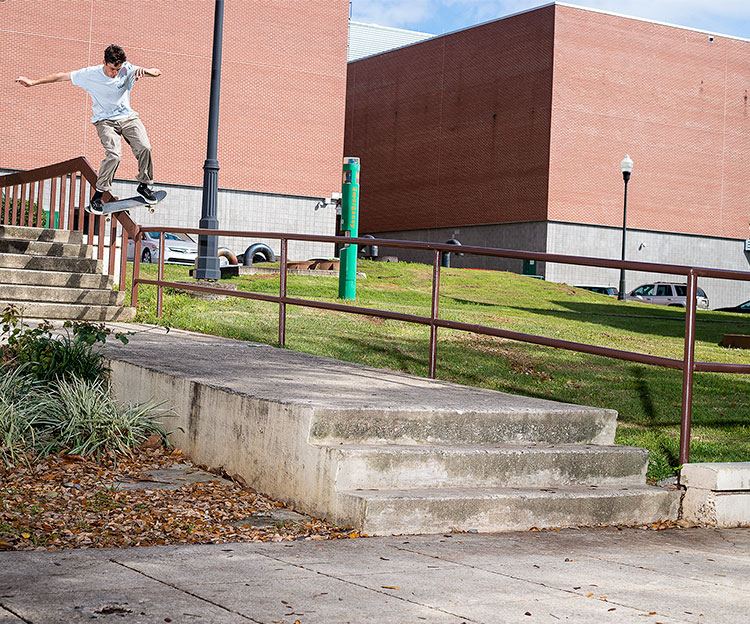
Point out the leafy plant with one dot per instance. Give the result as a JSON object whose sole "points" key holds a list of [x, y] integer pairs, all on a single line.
{"points": [[81, 417], [55, 395], [48, 356], [19, 411]]}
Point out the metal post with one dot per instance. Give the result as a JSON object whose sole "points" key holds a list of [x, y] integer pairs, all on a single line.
{"points": [[160, 273], [208, 246], [688, 367], [434, 311], [282, 293], [350, 225], [626, 178]]}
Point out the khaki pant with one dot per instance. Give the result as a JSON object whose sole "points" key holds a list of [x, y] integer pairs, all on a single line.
{"points": [[134, 132]]}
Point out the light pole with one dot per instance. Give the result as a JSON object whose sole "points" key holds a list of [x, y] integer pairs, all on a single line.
{"points": [[627, 166], [208, 260]]}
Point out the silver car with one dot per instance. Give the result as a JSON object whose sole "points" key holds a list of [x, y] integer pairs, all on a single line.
{"points": [[179, 248], [668, 294]]}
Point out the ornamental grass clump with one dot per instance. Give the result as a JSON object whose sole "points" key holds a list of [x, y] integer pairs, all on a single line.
{"points": [[81, 417], [20, 407], [55, 395]]}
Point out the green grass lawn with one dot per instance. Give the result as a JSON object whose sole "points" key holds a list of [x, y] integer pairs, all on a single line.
{"points": [[647, 398]]}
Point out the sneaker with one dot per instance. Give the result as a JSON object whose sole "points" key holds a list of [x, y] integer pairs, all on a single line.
{"points": [[96, 205], [146, 192]]}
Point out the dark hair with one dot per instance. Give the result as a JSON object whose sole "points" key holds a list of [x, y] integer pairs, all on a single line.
{"points": [[114, 54]]}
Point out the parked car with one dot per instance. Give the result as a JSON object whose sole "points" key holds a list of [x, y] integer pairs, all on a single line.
{"points": [[743, 307], [668, 294], [178, 248], [602, 290]]}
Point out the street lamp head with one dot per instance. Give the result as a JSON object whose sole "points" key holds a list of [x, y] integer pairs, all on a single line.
{"points": [[626, 164]]}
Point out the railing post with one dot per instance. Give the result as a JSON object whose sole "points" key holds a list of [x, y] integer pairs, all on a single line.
{"points": [[282, 293], [40, 204], [136, 267], [160, 288], [123, 258], [434, 310], [688, 367]]}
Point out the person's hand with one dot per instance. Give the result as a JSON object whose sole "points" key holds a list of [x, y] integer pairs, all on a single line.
{"points": [[26, 82]]}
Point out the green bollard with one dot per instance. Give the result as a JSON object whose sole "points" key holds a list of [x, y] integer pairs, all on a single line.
{"points": [[350, 224]]}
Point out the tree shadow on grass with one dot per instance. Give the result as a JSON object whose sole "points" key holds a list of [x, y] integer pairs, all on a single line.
{"points": [[661, 321]]}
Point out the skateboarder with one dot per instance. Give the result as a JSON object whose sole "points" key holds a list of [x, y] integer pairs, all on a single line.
{"points": [[109, 86]]}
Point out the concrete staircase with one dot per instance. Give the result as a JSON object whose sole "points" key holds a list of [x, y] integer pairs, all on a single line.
{"points": [[384, 452], [51, 274], [488, 473]]}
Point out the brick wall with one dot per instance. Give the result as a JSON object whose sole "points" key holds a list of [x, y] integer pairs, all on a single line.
{"points": [[483, 126], [282, 92], [454, 130], [669, 97]]}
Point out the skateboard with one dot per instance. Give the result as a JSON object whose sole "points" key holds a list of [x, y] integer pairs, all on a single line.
{"points": [[128, 203]]}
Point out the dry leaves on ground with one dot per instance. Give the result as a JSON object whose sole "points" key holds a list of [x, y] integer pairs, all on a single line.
{"points": [[71, 502]]}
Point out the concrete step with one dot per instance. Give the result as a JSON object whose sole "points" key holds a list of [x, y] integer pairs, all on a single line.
{"points": [[83, 296], [394, 512], [37, 248], [71, 311], [50, 263], [504, 422], [55, 279], [40, 234], [512, 465]]}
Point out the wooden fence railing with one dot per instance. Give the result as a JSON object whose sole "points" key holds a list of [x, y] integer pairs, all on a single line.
{"points": [[55, 197]]}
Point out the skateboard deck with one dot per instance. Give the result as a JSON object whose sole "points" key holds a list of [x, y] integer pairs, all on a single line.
{"points": [[131, 202]]}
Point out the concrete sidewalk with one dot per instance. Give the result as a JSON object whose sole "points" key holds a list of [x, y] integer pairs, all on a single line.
{"points": [[593, 575]]}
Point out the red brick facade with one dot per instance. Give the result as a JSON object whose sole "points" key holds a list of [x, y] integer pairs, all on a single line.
{"points": [[674, 100], [455, 130], [527, 119], [282, 93]]}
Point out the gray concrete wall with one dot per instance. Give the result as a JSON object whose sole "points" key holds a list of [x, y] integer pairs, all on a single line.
{"points": [[240, 210], [648, 246], [528, 236], [594, 241]]}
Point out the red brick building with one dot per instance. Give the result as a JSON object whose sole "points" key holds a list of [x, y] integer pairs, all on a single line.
{"points": [[282, 99], [510, 134]]}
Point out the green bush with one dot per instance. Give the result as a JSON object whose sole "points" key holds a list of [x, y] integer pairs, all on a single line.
{"points": [[19, 411], [41, 222], [48, 356], [55, 394], [82, 418]]}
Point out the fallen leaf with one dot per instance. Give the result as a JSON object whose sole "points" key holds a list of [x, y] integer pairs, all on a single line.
{"points": [[390, 587]]}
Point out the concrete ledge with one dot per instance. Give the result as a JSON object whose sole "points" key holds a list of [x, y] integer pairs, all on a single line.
{"points": [[717, 493], [367, 448]]}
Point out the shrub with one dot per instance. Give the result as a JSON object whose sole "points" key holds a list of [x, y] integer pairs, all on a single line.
{"points": [[19, 410], [48, 356], [55, 394], [81, 417]]}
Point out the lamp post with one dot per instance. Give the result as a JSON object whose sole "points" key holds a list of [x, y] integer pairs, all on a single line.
{"points": [[627, 166], [208, 246]]}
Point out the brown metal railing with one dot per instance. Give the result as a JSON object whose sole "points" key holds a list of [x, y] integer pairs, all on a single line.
{"points": [[60, 192], [688, 364]]}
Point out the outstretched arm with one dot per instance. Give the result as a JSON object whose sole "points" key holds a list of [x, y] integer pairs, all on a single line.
{"points": [[151, 73], [27, 82]]}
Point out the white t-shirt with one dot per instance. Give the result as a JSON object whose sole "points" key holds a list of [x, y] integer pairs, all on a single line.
{"points": [[110, 97]]}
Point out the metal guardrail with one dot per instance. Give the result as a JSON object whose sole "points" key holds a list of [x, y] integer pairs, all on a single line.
{"points": [[687, 365], [60, 192]]}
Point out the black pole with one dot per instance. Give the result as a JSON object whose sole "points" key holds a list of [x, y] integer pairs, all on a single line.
{"points": [[626, 178], [208, 246]]}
